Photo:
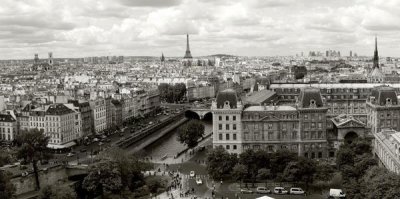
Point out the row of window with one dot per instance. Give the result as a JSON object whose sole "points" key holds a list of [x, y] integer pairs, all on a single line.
{"points": [[270, 135], [227, 118], [227, 127], [227, 136], [270, 126], [256, 116], [6, 123]]}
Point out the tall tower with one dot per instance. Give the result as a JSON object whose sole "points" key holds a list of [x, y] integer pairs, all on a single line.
{"points": [[188, 55], [162, 59], [376, 57], [36, 59], [50, 61]]}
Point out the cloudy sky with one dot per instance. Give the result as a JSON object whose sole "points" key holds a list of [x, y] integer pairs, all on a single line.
{"points": [[78, 28]]}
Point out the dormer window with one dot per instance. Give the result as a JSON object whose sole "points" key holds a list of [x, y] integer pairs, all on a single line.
{"points": [[388, 101], [312, 103]]}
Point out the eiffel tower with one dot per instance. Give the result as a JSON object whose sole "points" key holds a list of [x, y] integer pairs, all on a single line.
{"points": [[188, 55]]}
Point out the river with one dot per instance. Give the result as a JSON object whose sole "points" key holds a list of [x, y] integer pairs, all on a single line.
{"points": [[169, 145]]}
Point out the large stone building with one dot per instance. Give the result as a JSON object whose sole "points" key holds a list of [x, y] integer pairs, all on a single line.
{"points": [[387, 149], [304, 127]]}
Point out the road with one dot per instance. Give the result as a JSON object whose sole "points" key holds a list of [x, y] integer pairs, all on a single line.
{"points": [[85, 157]]}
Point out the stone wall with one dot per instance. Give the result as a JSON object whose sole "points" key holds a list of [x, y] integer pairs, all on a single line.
{"points": [[53, 176]]}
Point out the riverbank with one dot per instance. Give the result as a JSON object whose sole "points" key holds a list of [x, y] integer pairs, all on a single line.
{"points": [[155, 136]]}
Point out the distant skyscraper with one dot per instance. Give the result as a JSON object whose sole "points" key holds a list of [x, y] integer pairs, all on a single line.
{"points": [[376, 57], [327, 54], [338, 53], [188, 55], [351, 53]]}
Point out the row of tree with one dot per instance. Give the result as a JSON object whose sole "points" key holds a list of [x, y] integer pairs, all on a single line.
{"points": [[362, 178], [172, 93], [259, 165], [116, 174]]}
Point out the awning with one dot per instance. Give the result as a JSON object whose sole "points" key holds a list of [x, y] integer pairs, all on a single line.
{"points": [[61, 146]]}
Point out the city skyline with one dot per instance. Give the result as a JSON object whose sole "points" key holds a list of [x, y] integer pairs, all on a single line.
{"points": [[152, 27]]}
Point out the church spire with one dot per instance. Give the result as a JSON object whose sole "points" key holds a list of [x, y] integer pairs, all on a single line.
{"points": [[188, 55], [162, 57], [376, 57]]}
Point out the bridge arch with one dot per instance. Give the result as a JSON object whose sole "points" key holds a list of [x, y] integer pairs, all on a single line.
{"points": [[208, 116], [192, 115]]}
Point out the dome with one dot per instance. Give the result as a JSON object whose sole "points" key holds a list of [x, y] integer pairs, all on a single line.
{"points": [[228, 97]]}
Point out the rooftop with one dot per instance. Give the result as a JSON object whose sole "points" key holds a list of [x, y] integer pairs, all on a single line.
{"points": [[270, 108], [259, 97]]}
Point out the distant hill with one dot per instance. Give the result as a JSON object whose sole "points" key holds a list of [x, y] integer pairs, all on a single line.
{"points": [[222, 55]]}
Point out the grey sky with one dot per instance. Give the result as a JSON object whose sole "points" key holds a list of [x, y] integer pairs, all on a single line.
{"points": [[77, 28]]}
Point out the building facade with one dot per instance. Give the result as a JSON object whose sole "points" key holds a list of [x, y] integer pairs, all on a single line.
{"points": [[301, 128], [8, 127], [387, 149]]}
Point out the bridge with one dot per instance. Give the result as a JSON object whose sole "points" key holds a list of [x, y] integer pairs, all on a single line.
{"points": [[198, 113]]}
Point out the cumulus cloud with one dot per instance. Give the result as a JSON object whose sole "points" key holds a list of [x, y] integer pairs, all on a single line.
{"points": [[243, 27]]}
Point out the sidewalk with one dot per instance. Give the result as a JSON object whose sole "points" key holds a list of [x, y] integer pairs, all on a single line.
{"points": [[182, 158]]}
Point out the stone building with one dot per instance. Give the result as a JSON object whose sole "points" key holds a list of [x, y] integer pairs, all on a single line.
{"points": [[301, 127]]}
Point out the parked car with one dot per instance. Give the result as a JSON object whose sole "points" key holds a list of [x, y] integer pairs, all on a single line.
{"points": [[199, 181], [296, 191], [263, 190], [83, 150], [192, 174], [336, 194], [280, 190], [95, 139], [245, 190], [70, 154]]}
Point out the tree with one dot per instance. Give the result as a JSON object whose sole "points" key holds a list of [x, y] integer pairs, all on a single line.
{"points": [[7, 189], [280, 159], [344, 156], [172, 93], [103, 177], [324, 172], [264, 174], [239, 173], [301, 170], [220, 163], [248, 159], [299, 72], [190, 133], [130, 168], [51, 192], [381, 183], [33, 149]]}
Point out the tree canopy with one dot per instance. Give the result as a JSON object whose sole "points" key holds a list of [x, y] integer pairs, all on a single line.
{"points": [[172, 93], [220, 163], [190, 133], [33, 149]]}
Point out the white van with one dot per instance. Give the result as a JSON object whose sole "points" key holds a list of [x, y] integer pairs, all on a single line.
{"points": [[280, 190], [296, 191], [336, 194]]}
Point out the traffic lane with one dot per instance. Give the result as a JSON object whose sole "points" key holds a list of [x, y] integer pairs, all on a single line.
{"points": [[199, 189]]}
